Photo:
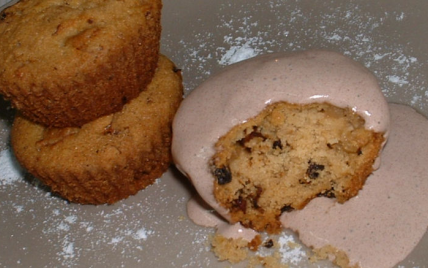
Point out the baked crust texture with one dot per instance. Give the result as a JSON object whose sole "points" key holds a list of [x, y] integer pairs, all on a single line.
{"points": [[112, 157], [66, 63]]}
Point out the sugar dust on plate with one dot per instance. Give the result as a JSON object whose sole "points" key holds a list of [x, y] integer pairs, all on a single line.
{"points": [[10, 170]]}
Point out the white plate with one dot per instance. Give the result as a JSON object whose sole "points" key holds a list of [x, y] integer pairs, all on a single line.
{"points": [[152, 229]]}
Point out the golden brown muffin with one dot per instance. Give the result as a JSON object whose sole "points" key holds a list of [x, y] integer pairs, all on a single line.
{"points": [[65, 63], [112, 157], [289, 154]]}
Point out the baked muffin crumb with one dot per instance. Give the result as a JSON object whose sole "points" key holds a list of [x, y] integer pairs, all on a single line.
{"points": [[232, 250], [289, 154], [337, 256]]}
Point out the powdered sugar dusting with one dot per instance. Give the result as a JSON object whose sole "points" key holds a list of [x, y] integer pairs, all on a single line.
{"points": [[152, 228], [10, 170], [349, 28], [291, 251], [238, 53], [71, 234]]}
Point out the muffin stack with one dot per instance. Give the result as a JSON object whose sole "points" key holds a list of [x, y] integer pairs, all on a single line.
{"points": [[95, 99]]}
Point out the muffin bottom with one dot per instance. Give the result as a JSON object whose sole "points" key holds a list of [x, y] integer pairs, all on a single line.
{"points": [[111, 157]]}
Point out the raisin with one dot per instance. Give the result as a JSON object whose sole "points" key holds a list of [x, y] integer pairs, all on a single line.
{"points": [[254, 134], [3, 16], [240, 204], [277, 144], [223, 175], [255, 198], [328, 193], [313, 169], [287, 208], [269, 243]]}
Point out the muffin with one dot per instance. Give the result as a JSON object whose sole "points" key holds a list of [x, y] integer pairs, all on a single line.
{"points": [[267, 135], [289, 154], [65, 63], [112, 157]]}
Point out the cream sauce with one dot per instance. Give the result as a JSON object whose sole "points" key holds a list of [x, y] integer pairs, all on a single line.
{"points": [[382, 225], [202, 215], [243, 90], [379, 227]]}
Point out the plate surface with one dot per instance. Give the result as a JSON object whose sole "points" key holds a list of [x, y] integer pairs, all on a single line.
{"points": [[151, 229]]}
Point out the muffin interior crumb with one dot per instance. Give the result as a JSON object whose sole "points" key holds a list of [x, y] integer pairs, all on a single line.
{"points": [[289, 154], [233, 250], [338, 257]]}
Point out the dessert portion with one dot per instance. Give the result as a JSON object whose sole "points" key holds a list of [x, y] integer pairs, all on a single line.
{"points": [[378, 228], [271, 133], [231, 122], [109, 158], [388, 219], [65, 63], [289, 154]]}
